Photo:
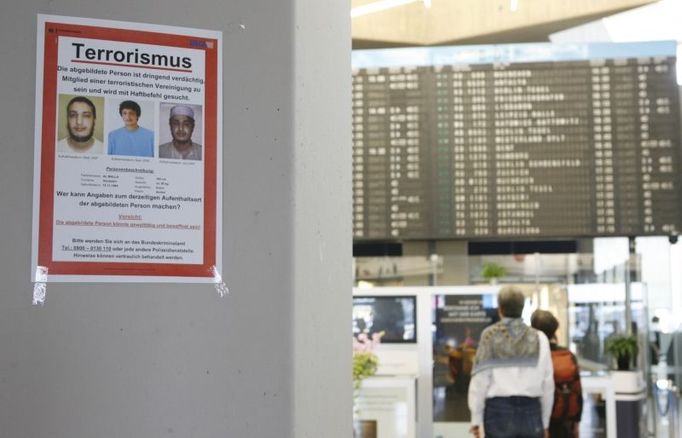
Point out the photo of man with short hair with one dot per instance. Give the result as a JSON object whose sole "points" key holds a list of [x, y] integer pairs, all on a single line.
{"points": [[131, 139], [81, 118]]}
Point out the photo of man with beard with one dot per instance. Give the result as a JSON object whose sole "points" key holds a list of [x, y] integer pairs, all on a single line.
{"points": [[181, 122], [81, 118]]}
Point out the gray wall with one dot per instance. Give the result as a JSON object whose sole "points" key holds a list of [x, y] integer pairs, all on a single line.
{"points": [[135, 360]]}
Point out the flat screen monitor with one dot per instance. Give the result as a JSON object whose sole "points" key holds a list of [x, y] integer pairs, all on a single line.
{"points": [[395, 316]]}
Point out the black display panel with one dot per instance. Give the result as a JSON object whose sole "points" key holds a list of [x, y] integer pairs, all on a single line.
{"points": [[394, 316], [518, 141], [459, 321]]}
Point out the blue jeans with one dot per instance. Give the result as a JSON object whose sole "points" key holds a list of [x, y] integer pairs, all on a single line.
{"points": [[513, 417]]}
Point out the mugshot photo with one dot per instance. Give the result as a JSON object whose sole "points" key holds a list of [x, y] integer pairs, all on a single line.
{"points": [[130, 127], [180, 131], [80, 124]]}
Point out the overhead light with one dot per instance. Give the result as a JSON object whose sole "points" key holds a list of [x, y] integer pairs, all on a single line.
{"points": [[514, 6], [382, 5]]}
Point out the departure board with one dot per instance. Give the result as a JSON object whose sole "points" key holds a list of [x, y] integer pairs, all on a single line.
{"points": [[516, 141]]}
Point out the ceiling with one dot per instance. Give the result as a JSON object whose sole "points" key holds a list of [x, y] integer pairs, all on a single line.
{"points": [[476, 21]]}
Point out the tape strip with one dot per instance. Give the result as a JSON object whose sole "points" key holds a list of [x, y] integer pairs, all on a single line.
{"points": [[220, 285], [40, 286]]}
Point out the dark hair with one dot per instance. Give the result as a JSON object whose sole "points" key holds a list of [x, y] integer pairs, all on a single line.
{"points": [[545, 322], [510, 301], [129, 104], [85, 100]]}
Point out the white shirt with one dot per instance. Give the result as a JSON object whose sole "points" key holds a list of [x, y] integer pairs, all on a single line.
{"points": [[168, 150], [64, 146], [535, 381]]}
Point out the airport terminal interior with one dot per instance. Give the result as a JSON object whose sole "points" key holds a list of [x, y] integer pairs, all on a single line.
{"points": [[456, 147], [526, 143]]}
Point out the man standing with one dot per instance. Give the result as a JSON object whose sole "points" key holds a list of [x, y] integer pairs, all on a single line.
{"points": [[181, 122], [81, 116], [131, 139], [512, 386]]}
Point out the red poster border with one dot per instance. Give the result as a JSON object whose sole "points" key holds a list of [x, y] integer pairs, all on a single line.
{"points": [[54, 30]]}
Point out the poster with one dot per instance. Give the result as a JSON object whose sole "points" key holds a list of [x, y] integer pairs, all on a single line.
{"points": [[460, 319], [128, 152]]}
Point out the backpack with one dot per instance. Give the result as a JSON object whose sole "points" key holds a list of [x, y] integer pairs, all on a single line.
{"points": [[568, 396]]}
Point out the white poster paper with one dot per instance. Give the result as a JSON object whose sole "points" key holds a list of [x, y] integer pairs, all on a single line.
{"points": [[128, 152]]}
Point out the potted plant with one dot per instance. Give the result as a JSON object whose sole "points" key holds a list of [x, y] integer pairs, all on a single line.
{"points": [[365, 364], [492, 272], [624, 349]]}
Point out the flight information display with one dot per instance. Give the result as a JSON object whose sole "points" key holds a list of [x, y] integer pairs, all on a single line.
{"points": [[516, 141]]}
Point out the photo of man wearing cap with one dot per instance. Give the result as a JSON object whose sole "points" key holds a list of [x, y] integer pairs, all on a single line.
{"points": [[181, 121]]}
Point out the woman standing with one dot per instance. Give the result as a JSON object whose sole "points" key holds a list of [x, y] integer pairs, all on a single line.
{"points": [[568, 396]]}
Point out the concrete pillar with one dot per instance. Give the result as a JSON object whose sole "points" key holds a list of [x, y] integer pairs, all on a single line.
{"points": [[455, 255], [416, 248]]}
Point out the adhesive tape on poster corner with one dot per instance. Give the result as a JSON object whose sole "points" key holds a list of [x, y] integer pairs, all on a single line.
{"points": [[220, 285], [40, 286]]}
